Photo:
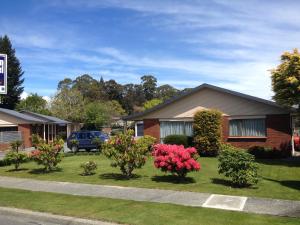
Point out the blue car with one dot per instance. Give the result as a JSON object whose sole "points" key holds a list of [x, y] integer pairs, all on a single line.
{"points": [[85, 140]]}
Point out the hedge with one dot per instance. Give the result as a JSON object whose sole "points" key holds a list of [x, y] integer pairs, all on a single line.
{"points": [[178, 139], [207, 132]]}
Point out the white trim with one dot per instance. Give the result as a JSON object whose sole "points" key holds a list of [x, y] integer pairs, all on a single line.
{"points": [[8, 125]]}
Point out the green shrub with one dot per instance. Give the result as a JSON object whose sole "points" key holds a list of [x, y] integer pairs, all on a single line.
{"points": [[126, 152], [88, 168], [239, 166], [261, 152], [74, 145], [207, 132], [226, 146], [178, 139], [36, 140], [98, 142], [14, 156]]}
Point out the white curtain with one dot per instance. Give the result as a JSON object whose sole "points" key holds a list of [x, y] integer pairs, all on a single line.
{"points": [[175, 127], [247, 127]]}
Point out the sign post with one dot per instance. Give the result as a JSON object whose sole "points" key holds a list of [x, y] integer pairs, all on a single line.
{"points": [[3, 74]]}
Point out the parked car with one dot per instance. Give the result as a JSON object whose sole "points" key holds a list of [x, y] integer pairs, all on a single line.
{"points": [[85, 140]]}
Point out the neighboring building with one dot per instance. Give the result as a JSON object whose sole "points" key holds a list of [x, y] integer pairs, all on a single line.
{"points": [[247, 120], [21, 125]]}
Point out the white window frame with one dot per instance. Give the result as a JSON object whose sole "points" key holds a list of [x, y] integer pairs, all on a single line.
{"points": [[135, 128]]}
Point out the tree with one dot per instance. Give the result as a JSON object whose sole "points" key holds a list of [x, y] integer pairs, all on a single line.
{"points": [[88, 86], [96, 115], [151, 103], [66, 83], [286, 80], [14, 75], [34, 103], [114, 90], [149, 84], [166, 91], [69, 105]]}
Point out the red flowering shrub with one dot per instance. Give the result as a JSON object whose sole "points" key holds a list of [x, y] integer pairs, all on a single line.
{"points": [[175, 159], [48, 155]]}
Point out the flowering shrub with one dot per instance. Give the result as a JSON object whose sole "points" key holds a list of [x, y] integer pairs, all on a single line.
{"points": [[48, 155], [88, 168], [126, 152], [175, 159]]}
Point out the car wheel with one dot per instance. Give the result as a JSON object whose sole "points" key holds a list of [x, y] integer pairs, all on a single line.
{"points": [[74, 149]]}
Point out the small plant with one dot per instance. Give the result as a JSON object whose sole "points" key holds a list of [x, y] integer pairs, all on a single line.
{"points": [[74, 145], [14, 156], [175, 159], [98, 142], [48, 155], [207, 132], [178, 139], [239, 166], [88, 168], [126, 152]]}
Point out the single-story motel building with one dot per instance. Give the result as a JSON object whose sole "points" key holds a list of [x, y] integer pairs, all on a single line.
{"points": [[247, 121], [21, 125]]}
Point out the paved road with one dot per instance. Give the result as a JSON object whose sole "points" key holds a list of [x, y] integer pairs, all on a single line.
{"points": [[239, 203], [12, 216]]}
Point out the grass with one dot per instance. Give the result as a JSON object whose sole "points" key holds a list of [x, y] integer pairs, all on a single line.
{"points": [[131, 212], [278, 178]]}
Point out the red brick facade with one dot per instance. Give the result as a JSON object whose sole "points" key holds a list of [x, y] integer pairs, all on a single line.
{"points": [[151, 127], [26, 134], [278, 134]]}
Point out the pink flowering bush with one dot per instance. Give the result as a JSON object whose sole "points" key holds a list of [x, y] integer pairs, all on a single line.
{"points": [[175, 159]]}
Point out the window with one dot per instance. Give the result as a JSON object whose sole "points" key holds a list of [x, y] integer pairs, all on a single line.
{"points": [[247, 128], [176, 127], [3, 129], [139, 129]]}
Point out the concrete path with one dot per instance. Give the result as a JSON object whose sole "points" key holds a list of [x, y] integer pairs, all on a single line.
{"points": [[226, 202], [13, 216]]}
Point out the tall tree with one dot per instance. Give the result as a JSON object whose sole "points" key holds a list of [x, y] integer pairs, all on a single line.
{"points": [[14, 75], [34, 103], [166, 91], [68, 104], [66, 83], [149, 84], [286, 80]]}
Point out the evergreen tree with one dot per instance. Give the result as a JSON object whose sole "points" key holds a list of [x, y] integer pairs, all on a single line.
{"points": [[14, 75]]}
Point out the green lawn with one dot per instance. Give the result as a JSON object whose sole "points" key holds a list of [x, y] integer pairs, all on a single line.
{"points": [[278, 178], [131, 212]]}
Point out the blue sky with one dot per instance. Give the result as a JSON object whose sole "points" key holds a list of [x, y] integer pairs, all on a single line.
{"points": [[232, 44]]}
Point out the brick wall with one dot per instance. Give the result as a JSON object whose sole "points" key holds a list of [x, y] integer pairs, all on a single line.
{"points": [[278, 133], [151, 127], [26, 134]]}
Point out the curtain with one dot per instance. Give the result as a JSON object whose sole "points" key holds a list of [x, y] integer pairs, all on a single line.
{"points": [[175, 127], [247, 127]]}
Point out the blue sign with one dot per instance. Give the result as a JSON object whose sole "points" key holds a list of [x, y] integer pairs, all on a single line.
{"points": [[3, 74]]}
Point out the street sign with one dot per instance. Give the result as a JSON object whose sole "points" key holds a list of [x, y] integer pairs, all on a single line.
{"points": [[3, 74]]}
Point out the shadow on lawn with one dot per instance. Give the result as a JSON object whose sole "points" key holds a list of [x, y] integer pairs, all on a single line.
{"points": [[43, 171], [16, 170], [289, 162], [118, 176], [173, 179], [228, 183], [294, 184]]}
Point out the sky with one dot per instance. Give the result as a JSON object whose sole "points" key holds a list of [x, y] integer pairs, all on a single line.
{"points": [[231, 44]]}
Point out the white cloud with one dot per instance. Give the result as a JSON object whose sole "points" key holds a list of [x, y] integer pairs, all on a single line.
{"points": [[24, 95]]}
